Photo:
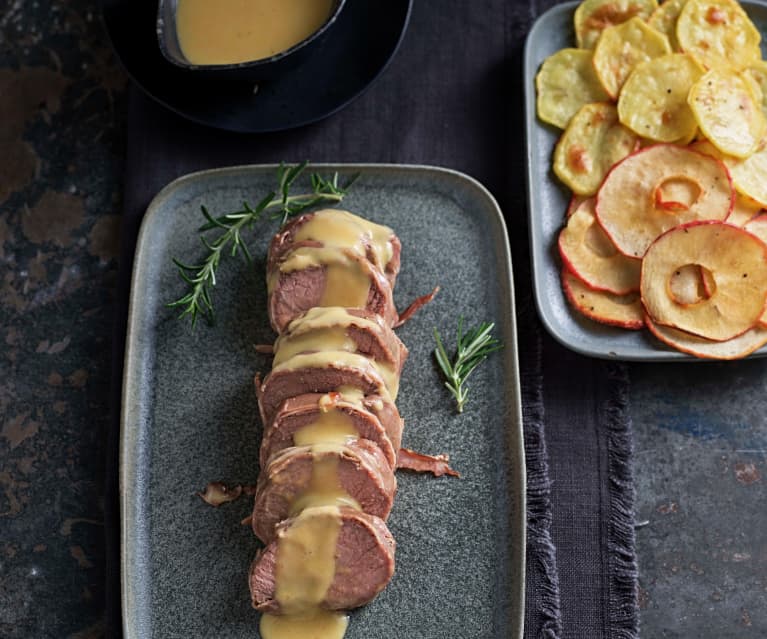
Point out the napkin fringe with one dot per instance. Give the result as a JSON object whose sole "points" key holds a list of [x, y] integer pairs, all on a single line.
{"points": [[623, 573], [540, 547]]}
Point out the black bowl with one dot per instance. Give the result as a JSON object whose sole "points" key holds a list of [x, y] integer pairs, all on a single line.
{"points": [[250, 71]]}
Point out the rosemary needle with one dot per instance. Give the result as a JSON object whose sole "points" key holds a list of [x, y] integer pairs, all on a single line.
{"points": [[472, 348], [201, 277]]}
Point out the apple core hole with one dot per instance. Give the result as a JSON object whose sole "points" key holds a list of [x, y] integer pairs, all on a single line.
{"points": [[677, 193], [691, 284]]}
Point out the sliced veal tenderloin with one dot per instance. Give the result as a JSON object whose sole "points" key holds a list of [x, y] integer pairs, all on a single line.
{"points": [[364, 562], [323, 372], [320, 276], [297, 477], [377, 243], [373, 418], [336, 328]]}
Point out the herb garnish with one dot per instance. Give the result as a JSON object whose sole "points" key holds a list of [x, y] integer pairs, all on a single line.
{"points": [[201, 277], [472, 349]]}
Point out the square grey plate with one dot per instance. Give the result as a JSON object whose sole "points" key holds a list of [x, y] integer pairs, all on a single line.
{"points": [[548, 199], [190, 417]]}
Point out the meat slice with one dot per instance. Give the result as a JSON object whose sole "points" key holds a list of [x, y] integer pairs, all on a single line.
{"points": [[373, 418], [360, 472], [364, 564], [323, 372], [362, 236], [295, 289], [358, 329]]}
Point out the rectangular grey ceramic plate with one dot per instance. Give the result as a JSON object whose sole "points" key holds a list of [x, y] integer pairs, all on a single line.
{"points": [[548, 199], [190, 417]]}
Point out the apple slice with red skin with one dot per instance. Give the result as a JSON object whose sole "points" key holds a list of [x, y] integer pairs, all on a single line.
{"points": [[734, 348], [624, 311], [658, 188], [575, 201], [758, 226], [737, 262], [589, 253]]}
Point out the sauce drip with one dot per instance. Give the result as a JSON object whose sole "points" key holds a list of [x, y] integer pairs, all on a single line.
{"points": [[290, 344], [344, 230], [232, 31], [331, 426], [324, 488], [305, 569]]}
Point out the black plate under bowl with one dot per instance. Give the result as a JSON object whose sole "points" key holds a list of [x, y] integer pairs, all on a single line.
{"points": [[364, 39]]}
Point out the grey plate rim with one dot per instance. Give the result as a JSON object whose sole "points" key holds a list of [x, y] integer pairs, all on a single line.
{"points": [[130, 543], [590, 338]]}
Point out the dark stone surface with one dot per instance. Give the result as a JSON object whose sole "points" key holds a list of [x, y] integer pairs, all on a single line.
{"points": [[700, 429]]}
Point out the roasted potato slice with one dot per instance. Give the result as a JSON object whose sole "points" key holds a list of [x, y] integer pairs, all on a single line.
{"points": [[664, 19], [593, 16], [653, 102], [749, 176], [620, 48], [718, 33], [758, 73], [728, 113], [565, 82], [593, 142]]}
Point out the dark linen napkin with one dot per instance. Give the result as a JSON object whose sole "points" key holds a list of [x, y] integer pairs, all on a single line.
{"points": [[451, 97]]}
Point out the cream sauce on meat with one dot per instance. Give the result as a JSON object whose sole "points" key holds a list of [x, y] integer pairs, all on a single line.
{"points": [[345, 230], [305, 569], [344, 359]]}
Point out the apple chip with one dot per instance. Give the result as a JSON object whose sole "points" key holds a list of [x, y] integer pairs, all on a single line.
{"points": [[620, 48], [664, 19], [749, 176], [589, 253], [758, 226], [728, 113], [653, 102], [737, 261], [565, 82], [575, 202], [617, 310], [734, 348], [657, 188], [743, 211], [718, 33], [593, 141], [593, 16]]}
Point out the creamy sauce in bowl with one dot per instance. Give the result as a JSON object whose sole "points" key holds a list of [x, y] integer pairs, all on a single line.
{"points": [[234, 31]]}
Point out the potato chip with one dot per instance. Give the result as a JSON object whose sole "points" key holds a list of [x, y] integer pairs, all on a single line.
{"points": [[593, 16], [727, 112], [593, 142], [620, 48], [758, 73], [657, 188], [735, 348], [589, 253], [565, 82], [718, 33], [664, 19], [617, 310], [749, 176], [653, 102], [736, 259]]}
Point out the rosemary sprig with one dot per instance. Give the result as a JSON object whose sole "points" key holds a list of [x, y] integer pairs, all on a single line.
{"points": [[201, 277], [472, 349]]}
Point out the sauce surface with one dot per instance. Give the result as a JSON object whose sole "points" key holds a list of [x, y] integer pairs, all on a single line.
{"points": [[232, 31]]}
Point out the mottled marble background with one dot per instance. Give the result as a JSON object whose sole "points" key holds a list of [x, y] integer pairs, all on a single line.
{"points": [[62, 123]]}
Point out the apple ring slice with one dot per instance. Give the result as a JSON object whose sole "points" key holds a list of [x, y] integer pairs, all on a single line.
{"points": [[624, 311], [737, 263], [657, 188], [734, 348], [589, 253]]}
